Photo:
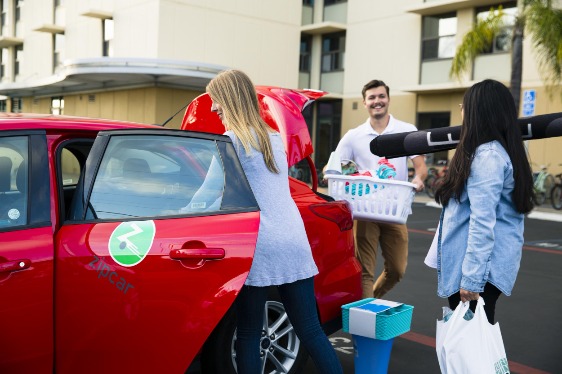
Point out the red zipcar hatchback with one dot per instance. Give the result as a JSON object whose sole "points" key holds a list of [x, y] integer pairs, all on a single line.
{"points": [[123, 246]]}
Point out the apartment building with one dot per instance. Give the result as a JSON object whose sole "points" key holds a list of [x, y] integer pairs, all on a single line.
{"points": [[409, 44], [138, 60], [144, 60]]}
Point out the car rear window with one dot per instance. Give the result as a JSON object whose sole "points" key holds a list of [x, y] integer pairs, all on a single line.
{"points": [[13, 181], [157, 176]]}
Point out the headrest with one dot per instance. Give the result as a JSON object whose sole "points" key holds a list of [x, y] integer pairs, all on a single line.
{"points": [[5, 173], [132, 167], [21, 177]]}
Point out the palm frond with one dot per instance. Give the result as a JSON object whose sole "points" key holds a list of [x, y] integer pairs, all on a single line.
{"points": [[544, 25], [476, 41]]}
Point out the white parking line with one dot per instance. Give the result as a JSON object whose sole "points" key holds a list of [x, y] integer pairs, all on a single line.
{"points": [[545, 216]]}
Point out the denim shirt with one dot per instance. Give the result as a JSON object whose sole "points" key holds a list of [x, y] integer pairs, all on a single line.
{"points": [[481, 235]]}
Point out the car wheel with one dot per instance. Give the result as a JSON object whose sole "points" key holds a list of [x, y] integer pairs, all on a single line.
{"points": [[429, 182], [280, 348], [556, 197], [540, 198]]}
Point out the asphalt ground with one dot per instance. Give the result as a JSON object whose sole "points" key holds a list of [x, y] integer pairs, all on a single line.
{"points": [[530, 319]]}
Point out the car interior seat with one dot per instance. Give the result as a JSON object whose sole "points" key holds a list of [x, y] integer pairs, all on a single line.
{"points": [[135, 168], [5, 173], [21, 178]]}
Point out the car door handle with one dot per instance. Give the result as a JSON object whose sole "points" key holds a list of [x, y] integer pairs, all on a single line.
{"points": [[197, 253], [10, 266]]}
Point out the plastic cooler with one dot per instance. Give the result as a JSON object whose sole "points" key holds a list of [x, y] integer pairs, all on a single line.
{"points": [[374, 323], [373, 199]]}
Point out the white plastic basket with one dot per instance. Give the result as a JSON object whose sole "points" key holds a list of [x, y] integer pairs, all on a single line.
{"points": [[373, 199]]}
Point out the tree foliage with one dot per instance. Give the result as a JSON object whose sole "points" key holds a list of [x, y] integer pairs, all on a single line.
{"points": [[476, 41], [539, 20], [544, 25]]}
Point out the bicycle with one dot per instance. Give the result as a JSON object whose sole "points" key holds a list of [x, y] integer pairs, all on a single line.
{"points": [[543, 183], [556, 193], [435, 178]]}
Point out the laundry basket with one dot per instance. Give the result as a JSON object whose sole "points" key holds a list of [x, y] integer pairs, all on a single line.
{"points": [[373, 199]]}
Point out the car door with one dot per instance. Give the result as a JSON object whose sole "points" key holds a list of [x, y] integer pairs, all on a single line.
{"points": [[160, 239], [26, 254]]}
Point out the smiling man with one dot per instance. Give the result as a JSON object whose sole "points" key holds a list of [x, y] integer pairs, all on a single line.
{"points": [[393, 238]]}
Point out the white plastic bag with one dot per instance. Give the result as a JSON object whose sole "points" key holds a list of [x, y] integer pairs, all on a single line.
{"points": [[470, 347]]}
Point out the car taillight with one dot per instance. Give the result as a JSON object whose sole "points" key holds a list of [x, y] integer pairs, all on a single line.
{"points": [[335, 211]]}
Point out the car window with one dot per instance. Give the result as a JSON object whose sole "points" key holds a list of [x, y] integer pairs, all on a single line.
{"points": [[13, 181], [154, 176]]}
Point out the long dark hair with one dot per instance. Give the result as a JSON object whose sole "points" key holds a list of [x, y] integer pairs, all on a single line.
{"points": [[489, 113]]}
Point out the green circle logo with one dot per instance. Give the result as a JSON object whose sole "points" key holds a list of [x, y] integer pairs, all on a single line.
{"points": [[130, 242]]}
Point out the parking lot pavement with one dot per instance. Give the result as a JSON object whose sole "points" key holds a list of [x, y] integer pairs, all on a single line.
{"points": [[529, 319]]}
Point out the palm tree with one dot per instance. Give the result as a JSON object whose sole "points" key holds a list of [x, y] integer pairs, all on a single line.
{"points": [[544, 25]]}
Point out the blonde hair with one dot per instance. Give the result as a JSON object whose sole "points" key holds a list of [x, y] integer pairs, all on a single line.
{"points": [[235, 93]]}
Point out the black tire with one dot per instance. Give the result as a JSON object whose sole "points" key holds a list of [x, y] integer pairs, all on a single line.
{"points": [[429, 181], [540, 198], [218, 356], [436, 186], [556, 197], [411, 174], [549, 183]]}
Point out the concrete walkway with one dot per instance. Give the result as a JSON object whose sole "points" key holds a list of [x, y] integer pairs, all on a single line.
{"points": [[543, 212]]}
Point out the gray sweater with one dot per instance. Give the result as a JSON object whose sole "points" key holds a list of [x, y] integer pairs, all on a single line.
{"points": [[283, 253]]}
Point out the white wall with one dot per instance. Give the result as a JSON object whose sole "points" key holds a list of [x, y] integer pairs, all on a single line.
{"points": [[383, 42], [260, 37]]}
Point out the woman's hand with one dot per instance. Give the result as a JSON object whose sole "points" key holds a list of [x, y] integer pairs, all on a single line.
{"points": [[468, 295]]}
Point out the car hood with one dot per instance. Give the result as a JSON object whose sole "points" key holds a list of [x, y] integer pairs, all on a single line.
{"points": [[281, 108]]}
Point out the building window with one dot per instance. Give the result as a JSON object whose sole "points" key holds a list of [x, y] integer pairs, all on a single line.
{"points": [[304, 58], [434, 120], [438, 36], [502, 40], [3, 62], [19, 5], [107, 26], [58, 50], [57, 105], [308, 2], [3, 11], [3, 106], [332, 2], [16, 105], [328, 127], [18, 55], [58, 12], [333, 52]]}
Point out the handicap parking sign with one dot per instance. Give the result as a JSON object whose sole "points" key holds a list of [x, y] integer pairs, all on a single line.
{"points": [[529, 98]]}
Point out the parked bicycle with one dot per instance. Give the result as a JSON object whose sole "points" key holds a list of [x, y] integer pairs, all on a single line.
{"points": [[435, 178], [543, 183], [556, 193]]}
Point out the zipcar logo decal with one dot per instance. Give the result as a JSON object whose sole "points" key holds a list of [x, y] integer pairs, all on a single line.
{"points": [[130, 242]]}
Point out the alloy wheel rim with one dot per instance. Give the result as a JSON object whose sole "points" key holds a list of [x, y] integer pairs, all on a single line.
{"points": [[279, 344]]}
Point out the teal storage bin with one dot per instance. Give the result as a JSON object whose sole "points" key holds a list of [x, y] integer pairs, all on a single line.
{"points": [[389, 323]]}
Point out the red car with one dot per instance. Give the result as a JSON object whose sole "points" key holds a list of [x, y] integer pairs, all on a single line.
{"points": [[123, 246]]}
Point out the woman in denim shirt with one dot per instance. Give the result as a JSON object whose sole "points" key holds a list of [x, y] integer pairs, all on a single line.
{"points": [[487, 191]]}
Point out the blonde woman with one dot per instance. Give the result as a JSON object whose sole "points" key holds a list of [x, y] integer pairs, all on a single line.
{"points": [[283, 257]]}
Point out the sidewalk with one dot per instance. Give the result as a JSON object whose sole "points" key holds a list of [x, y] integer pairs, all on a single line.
{"points": [[545, 211]]}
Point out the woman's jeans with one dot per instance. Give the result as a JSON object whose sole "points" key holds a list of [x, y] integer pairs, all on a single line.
{"points": [[300, 305], [490, 296]]}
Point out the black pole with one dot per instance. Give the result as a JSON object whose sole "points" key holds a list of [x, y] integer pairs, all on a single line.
{"points": [[445, 138]]}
